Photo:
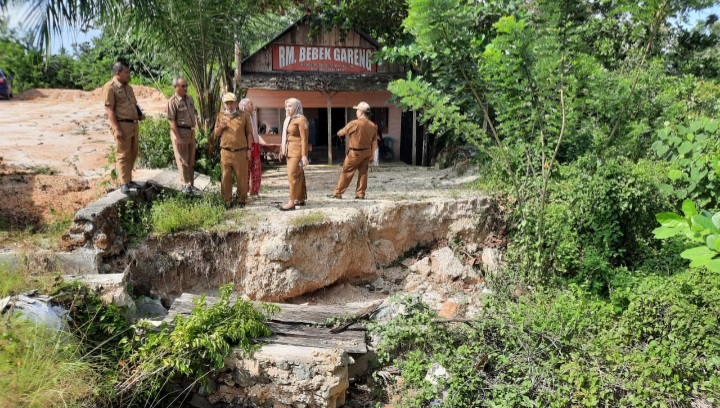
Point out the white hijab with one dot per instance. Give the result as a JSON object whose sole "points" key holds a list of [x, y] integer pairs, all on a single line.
{"points": [[297, 111], [243, 106]]}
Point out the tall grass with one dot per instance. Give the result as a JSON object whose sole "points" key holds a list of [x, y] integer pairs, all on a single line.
{"points": [[41, 367], [17, 279], [179, 213]]}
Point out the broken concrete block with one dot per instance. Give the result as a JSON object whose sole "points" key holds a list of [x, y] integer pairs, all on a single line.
{"points": [[492, 260], [449, 309], [110, 287], [147, 308], [286, 376], [445, 265], [422, 266]]}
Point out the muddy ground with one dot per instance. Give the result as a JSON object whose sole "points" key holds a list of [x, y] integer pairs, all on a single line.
{"points": [[53, 153]]}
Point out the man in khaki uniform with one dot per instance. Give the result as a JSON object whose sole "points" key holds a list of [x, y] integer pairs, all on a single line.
{"points": [[182, 116], [234, 127], [361, 135], [124, 114]]}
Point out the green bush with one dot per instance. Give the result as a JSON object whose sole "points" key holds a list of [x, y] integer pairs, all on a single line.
{"points": [[654, 344], [179, 213], [600, 215], [155, 147]]}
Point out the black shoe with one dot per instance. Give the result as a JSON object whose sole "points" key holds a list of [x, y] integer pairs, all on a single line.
{"points": [[240, 205], [359, 198], [300, 203], [281, 208], [337, 197], [228, 206], [125, 189], [133, 184]]}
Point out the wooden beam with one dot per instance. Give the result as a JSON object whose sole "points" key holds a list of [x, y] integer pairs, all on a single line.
{"points": [[326, 81], [351, 341], [288, 313]]}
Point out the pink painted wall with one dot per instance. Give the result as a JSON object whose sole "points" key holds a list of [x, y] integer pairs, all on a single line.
{"points": [[276, 100]]}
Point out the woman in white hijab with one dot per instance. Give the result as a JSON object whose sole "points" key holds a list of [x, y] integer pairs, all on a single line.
{"points": [[294, 146], [254, 166]]}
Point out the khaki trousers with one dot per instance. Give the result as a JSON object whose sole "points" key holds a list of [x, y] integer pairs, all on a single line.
{"points": [[184, 149], [296, 179], [234, 163], [355, 160], [127, 151]]}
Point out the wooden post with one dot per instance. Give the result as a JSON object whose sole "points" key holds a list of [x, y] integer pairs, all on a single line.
{"points": [[425, 147], [329, 120], [414, 138]]}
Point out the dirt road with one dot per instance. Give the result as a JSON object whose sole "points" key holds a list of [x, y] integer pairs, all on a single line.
{"points": [[53, 151]]}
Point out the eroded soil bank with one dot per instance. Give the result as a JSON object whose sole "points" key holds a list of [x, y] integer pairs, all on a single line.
{"points": [[272, 255]]}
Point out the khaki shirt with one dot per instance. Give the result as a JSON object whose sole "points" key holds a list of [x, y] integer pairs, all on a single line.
{"points": [[121, 99], [182, 111], [360, 133], [239, 128], [297, 137]]}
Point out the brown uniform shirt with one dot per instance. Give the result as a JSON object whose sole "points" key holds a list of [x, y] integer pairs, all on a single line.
{"points": [[182, 111], [121, 99], [360, 133], [239, 128], [297, 137]]}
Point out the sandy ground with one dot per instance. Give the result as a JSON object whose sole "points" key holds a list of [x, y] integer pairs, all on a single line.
{"points": [[53, 151]]}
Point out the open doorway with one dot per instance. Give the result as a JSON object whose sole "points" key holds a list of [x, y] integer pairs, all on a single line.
{"points": [[320, 149]]}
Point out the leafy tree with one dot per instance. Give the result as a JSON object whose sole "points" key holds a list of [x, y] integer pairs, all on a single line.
{"points": [[381, 19], [542, 85], [697, 51]]}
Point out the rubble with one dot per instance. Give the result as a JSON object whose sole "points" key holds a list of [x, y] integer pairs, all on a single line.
{"points": [[280, 376]]}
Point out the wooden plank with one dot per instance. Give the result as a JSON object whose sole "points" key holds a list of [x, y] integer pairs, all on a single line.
{"points": [[288, 313], [351, 341]]}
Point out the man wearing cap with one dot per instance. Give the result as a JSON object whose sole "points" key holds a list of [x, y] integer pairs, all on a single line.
{"points": [[234, 128], [123, 114], [182, 116], [361, 135]]}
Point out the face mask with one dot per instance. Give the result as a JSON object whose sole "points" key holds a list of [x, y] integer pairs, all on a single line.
{"points": [[231, 113]]}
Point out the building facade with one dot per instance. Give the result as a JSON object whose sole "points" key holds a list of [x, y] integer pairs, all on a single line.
{"points": [[329, 73]]}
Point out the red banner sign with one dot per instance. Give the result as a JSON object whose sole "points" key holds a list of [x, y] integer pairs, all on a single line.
{"points": [[323, 59]]}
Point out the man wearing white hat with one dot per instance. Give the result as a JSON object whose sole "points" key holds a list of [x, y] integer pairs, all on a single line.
{"points": [[234, 127], [361, 135]]}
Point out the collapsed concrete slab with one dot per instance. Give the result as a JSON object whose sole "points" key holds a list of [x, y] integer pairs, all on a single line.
{"points": [[280, 260]]}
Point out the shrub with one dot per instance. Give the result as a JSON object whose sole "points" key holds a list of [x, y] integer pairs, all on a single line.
{"points": [[179, 213], [655, 344], [599, 216], [155, 147]]}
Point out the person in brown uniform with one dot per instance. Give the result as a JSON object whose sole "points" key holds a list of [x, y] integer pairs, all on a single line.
{"points": [[294, 146], [361, 135], [234, 127], [124, 114], [182, 115]]}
